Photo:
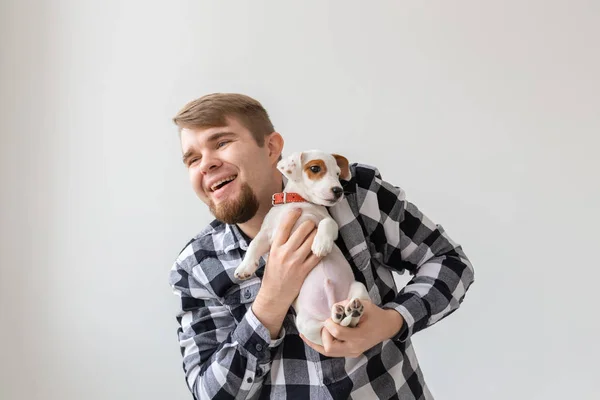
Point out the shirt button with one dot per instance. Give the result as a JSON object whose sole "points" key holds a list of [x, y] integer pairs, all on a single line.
{"points": [[247, 294], [259, 347], [249, 380]]}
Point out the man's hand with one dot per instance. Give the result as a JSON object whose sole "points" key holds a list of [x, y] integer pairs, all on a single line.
{"points": [[290, 260], [375, 326]]}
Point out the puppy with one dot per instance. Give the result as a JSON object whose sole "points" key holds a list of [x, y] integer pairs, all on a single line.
{"points": [[313, 184]]}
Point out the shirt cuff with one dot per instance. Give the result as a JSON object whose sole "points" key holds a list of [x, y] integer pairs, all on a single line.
{"points": [[413, 311], [252, 335], [277, 342]]}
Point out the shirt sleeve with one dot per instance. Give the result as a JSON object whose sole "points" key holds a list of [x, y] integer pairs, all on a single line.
{"points": [[221, 359], [409, 240]]}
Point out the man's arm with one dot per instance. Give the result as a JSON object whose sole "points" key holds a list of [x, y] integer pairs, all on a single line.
{"points": [[290, 260], [411, 241], [407, 240], [220, 359]]}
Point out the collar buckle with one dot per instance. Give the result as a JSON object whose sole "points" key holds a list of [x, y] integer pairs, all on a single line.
{"points": [[282, 198]]}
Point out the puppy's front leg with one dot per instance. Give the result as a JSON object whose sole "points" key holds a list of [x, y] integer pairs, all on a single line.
{"points": [[258, 246], [327, 232]]}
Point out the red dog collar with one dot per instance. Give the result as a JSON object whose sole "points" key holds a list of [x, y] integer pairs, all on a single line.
{"points": [[285, 197]]}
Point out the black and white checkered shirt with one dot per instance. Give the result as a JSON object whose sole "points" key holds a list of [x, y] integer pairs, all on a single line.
{"points": [[228, 354]]}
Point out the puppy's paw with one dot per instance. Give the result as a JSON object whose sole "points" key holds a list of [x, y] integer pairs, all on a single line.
{"points": [[353, 310], [245, 269], [337, 313], [321, 246], [348, 315]]}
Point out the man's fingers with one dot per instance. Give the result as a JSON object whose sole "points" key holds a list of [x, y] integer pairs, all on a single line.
{"points": [[321, 349], [311, 261], [339, 332], [333, 347], [299, 236], [286, 225], [312, 345], [304, 250]]}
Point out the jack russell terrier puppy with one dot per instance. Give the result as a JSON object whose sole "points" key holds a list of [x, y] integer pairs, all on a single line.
{"points": [[313, 184]]}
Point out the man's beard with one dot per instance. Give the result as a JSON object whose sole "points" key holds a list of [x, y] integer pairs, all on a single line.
{"points": [[236, 211]]}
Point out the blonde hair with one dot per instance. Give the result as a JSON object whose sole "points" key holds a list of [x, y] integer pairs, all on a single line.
{"points": [[212, 110]]}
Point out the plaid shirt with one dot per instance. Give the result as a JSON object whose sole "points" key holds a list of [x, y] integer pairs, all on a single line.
{"points": [[228, 354]]}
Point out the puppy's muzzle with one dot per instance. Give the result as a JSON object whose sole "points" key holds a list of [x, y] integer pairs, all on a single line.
{"points": [[337, 191]]}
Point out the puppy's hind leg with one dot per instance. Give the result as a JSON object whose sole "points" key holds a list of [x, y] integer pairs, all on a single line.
{"points": [[354, 309], [310, 328], [337, 310], [338, 313]]}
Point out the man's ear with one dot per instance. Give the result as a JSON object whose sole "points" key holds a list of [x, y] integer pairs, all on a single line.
{"points": [[342, 162], [291, 166], [274, 142]]}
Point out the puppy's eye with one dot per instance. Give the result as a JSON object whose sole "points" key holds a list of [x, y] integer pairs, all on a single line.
{"points": [[315, 169]]}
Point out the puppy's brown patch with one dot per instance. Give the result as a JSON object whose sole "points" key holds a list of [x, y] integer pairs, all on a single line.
{"points": [[315, 175]]}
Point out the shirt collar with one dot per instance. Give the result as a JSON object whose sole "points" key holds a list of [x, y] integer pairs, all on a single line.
{"points": [[234, 238]]}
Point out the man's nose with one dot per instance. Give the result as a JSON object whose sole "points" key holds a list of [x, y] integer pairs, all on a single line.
{"points": [[337, 191], [208, 163]]}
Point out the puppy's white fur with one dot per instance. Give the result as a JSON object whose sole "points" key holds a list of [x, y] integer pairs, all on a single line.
{"points": [[332, 280]]}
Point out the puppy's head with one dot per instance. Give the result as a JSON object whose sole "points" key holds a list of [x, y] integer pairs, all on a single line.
{"points": [[316, 175]]}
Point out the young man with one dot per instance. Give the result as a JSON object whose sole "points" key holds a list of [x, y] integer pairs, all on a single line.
{"points": [[238, 338]]}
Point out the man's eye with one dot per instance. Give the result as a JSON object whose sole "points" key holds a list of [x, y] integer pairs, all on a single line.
{"points": [[223, 143], [315, 169], [193, 161]]}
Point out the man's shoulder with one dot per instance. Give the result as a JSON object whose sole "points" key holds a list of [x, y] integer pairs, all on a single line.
{"points": [[200, 260], [369, 190], [364, 171], [368, 177], [364, 175]]}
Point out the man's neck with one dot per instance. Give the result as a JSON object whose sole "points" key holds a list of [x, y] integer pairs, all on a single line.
{"points": [[252, 227]]}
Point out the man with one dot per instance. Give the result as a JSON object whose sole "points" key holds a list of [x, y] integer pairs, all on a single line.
{"points": [[238, 338]]}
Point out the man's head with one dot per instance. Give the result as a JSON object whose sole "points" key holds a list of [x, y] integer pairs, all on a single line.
{"points": [[230, 149], [315, 175]]}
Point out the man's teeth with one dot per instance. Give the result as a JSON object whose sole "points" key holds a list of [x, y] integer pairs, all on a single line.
{"points": [[217, 184]]}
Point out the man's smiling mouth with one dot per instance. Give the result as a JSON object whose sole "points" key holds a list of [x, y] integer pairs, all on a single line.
{"points": [[218, 185]]}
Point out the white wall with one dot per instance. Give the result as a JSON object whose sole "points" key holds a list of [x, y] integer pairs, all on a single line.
{"points": [[486, 114]]}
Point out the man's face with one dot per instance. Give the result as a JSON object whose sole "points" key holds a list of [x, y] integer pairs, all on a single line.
{"points": [[227, 169]]}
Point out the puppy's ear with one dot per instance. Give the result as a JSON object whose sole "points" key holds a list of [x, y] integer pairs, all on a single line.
{"points": [[342, 162], [291, 166]]}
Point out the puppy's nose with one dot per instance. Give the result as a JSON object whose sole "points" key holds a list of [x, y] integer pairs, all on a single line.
{"points": [[337, 191]]}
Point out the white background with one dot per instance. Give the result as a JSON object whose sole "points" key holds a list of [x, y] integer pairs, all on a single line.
{"points": [[486, 113]]}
